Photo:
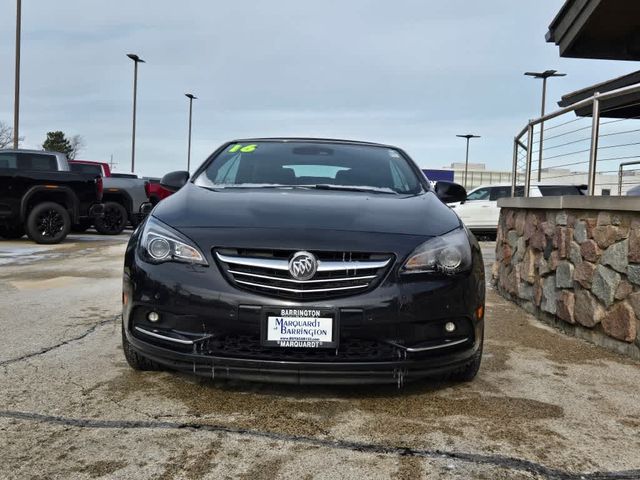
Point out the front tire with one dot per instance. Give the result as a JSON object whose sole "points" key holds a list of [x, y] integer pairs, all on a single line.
{"points": [[134, 359], [48, 223], [113, 221]]}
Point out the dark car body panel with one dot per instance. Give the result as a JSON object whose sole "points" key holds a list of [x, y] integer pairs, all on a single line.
{"points": [[283, 209]]}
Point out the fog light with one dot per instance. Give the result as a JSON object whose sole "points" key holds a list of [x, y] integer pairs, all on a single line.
{"points": [[153, 316], [449, 327]]}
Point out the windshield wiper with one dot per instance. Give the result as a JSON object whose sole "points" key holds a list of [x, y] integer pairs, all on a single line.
{"points": [[320, 186], [241, 186], [347, 188]]}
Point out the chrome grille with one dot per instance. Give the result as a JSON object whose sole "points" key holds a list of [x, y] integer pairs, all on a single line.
{"points": [[338, 273]]}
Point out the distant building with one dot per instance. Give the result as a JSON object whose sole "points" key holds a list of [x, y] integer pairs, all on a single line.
{"points": [[607, 184], [476, 175]]}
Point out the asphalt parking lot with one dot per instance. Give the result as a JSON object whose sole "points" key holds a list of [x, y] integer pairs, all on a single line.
{"points": [[543, 406]]}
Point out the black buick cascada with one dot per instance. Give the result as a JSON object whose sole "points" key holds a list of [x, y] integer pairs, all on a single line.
{"points": [[305, 261]]}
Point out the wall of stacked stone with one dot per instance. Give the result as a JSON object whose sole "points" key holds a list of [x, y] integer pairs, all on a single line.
{"points": [[578, 269]]}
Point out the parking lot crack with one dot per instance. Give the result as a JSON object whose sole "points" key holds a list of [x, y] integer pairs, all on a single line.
{"points": [[501, 461], [44, 350]]}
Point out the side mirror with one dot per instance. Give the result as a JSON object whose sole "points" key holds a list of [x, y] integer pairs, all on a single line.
{"points": [[449, 192], [174, 181]]}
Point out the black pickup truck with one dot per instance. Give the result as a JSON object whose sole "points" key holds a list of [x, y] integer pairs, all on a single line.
{"points": [[44, 203]]}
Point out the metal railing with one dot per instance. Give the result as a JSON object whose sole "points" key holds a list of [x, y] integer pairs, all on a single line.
{"points": [[621, 173], [567, 139]]}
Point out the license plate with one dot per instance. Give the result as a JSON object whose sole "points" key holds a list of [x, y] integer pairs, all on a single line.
{"points": [[300, 328]]}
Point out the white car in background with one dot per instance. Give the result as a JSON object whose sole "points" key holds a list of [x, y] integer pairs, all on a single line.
{"points": [[634, 192], [480, 211]]}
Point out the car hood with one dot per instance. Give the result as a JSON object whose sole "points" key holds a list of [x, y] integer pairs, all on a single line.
{"points": [[197, 207]]}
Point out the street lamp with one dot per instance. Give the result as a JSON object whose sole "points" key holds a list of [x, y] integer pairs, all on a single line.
{"points": [[468, 136], [543, 75], [136, 59], [16, 101], [191, 98]]}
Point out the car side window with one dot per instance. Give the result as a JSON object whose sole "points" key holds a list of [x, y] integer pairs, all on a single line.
{"points": [[500, 192], [84, 168], [44, 163], [36, 161], [480, 194], [8, 160], [559, 190]]}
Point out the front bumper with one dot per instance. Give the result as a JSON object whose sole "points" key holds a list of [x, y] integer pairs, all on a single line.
{"points": [[392, 334], [290, 371]]}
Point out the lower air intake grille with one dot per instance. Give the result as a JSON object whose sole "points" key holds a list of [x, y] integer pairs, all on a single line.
{"points": [[349, 350]]}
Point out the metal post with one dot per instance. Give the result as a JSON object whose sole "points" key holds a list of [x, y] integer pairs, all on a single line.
{"points": [[466, 165], [543, 75], [514, 168], [16, 102], [191, 97], [136, 59], [189, 148], [540, 147], [620, 180], [133, 133], [527, 178], [595, 134], [468, 137]]}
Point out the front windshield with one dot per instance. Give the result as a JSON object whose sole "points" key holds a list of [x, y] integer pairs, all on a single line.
{"points": [[298, 164]]}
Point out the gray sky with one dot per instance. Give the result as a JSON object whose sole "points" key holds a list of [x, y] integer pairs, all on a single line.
{"points": [[409, 72]]}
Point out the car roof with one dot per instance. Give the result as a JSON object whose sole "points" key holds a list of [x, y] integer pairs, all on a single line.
{"points": [[90, 162], [313, 139], [26, 150]]}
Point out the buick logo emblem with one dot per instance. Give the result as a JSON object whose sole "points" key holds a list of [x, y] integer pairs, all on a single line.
{"points": [[303, 265]]}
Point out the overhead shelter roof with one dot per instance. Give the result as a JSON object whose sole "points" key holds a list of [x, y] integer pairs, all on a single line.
{"points": [[625, 106], [604, 29]]}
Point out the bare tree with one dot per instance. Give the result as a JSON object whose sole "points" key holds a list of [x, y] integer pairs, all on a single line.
{"points": [[6, 135], [77, 144]]}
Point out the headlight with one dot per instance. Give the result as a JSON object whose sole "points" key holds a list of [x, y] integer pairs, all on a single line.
{"points": [[160, 243], [448, 254]]}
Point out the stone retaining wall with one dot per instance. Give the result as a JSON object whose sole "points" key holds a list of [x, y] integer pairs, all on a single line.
{"points": [[578, 269]]}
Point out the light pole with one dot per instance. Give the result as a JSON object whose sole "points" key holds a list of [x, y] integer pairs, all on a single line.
{"points": [[468, 136], [191, 98], [543, 75], [136, 59], [16, 101]]}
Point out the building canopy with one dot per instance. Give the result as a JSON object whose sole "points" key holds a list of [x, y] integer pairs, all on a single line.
{"points": [[625, 106], [603, 29]]}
